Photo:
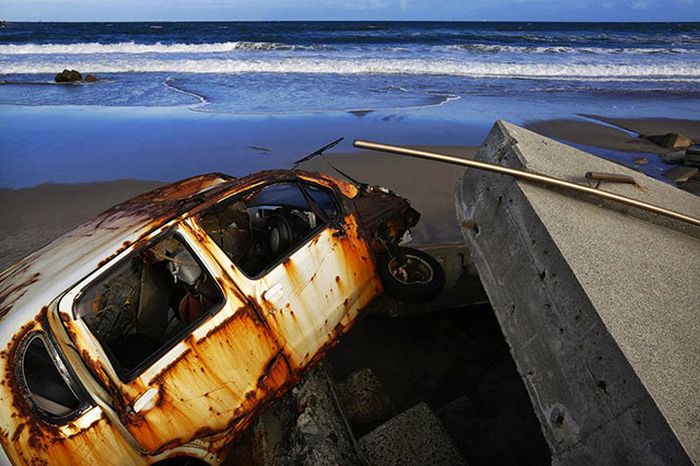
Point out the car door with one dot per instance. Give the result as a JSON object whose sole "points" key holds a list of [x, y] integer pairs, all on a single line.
{"points": [[312, 292], [208, 377]]}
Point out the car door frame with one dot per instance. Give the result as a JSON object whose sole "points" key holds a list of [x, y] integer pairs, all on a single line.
{"points": [[300, 327], [268, 370]]}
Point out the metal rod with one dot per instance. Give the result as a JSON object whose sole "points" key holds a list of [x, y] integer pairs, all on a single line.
{"points": [[529, 176]]}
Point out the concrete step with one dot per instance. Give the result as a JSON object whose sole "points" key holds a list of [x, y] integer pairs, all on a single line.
{"points": [[414, 437], [364, 401]]}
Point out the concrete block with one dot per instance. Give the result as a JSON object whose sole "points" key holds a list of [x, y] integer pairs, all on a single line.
{"points": [[414, 437], [598, 301], [364, 401]]}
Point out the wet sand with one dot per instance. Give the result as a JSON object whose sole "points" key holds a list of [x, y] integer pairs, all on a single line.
{"points": [[600, 135], [32, 217], [35, 216], [428, 185], [650, 126]]}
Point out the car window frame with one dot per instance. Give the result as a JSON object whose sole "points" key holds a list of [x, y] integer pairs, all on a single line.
{"points": [[130, 376], [329, 222], [67, 373]]}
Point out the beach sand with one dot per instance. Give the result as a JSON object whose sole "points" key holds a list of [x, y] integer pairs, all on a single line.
{"points": [[34, 216], [600, 135]]}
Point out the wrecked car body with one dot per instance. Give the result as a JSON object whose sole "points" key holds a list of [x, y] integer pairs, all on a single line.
{"points": [[160, 328]]}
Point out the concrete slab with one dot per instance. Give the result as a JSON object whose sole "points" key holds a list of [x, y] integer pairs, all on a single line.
{"points": [[364, 400], [414, 437], [600, 303]]}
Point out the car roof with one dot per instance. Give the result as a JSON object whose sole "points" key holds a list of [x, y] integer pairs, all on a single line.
{"points": [[34, 282]]}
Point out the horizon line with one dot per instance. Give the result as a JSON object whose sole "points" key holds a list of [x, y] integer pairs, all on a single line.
{"points": [[8, 21]]}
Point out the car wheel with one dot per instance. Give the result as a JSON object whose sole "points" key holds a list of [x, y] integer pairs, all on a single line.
{"points": [[410, 275]]}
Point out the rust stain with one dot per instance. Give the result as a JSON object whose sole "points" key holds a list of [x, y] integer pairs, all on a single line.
{"points": [[213, 389], [13, 293]]}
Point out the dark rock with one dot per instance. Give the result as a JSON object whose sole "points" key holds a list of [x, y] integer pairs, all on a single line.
{"points": [[692, 159], [675, 157], [364, 401], [669, 140], [692, 186], [272, 433], [68, 76], [681, 174], [693, 150], [90, 78]]}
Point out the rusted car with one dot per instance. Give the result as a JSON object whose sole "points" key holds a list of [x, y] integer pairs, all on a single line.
{"points": [[157, 331]]}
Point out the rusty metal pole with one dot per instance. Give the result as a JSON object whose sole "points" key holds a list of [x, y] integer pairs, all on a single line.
{"points": [[529, 176]]}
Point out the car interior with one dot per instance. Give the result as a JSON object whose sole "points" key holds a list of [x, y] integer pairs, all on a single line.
{"points": [[260, 228], [150, 300], [147, 302]]}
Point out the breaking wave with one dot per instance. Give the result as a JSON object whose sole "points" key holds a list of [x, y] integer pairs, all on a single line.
{"points": [[494, 48], [681, 72], [85, 48], [134, 48]]}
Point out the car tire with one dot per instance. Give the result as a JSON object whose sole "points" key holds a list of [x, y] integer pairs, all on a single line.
{"points": [[410, 275]]}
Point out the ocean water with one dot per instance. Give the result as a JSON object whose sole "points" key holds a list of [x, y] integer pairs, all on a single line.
{"points": [[415, 82]]}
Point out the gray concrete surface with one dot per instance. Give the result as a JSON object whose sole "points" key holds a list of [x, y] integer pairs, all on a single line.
{"points": [[306, 427], [414, 437], [599, 303], [364, 401]]}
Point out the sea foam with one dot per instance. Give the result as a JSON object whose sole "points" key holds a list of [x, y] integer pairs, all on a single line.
{"points": [[682, 72], [134, 48]]}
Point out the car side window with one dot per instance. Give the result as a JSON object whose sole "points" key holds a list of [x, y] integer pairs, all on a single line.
{"points": [[261, 227], [148, 302]]}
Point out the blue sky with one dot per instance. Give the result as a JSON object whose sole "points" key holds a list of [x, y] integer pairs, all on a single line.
{"points": [[474, 10]]}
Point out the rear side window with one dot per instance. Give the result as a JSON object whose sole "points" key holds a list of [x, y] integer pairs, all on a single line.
{"points": [[46, 381]]}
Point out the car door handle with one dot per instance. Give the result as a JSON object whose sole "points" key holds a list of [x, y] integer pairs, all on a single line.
{"points": [[273, 293], [145, 401]]}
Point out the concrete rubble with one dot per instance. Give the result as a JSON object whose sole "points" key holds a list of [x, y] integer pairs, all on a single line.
{"points": [[309, 427], [598, 302], [306, 427]]}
